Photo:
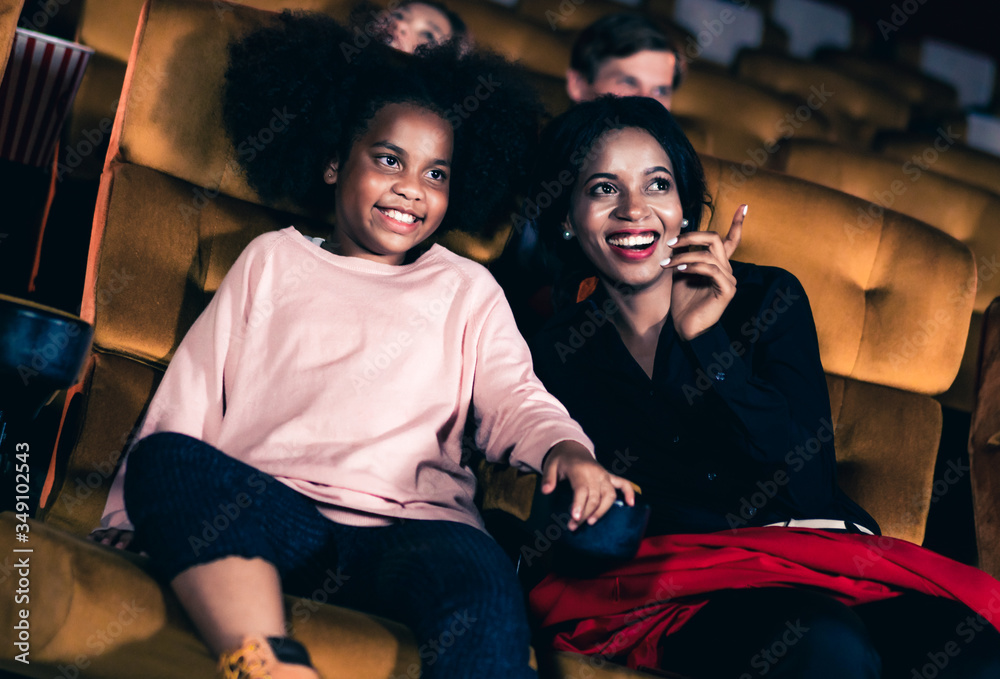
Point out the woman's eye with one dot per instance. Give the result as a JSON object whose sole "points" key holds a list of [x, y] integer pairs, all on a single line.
{"points": [[603, 189], [660, 184]]}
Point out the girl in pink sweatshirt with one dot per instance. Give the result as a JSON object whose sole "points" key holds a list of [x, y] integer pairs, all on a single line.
{"points": [[307, 435]]}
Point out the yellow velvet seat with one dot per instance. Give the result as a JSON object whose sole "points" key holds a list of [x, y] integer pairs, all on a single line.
{"points": [[969, 213], [746, 122], [857, 108], [9, 12], [984, 443], [928, 96], [174, 213], [956, 160]]}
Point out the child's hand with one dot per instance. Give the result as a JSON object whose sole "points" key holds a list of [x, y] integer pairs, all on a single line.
{"points": [[114, 537], [594, 489]]}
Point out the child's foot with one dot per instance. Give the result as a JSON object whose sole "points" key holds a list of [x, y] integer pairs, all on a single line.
{"points": [[267, 658]]}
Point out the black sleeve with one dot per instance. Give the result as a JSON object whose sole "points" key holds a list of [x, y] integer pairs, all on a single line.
{"points": [[763, 362]]}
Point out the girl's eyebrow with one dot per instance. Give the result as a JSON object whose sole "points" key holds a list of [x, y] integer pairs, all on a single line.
{"points": [[388, 145], [659, 168]]}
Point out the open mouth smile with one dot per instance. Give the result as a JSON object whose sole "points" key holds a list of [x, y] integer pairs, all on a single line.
{"points": [[633, 244], [400, 220]]}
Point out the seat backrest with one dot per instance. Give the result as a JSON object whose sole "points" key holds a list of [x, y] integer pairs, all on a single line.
{"points": [[862, 108], [969, 213], [10, 10], [720, 99], [984, 444], [943, 153], [888, 340]]}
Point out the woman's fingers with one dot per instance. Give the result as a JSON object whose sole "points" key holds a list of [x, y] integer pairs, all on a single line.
{"points": [[735, 230], [702, 264], [707, 244]]}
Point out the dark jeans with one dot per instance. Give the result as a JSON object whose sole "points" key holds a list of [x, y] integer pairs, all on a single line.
{"points": [[780, 633], [449, 582]]}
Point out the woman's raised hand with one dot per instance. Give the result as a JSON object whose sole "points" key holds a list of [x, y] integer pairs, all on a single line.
{"points": [[703, 282]]}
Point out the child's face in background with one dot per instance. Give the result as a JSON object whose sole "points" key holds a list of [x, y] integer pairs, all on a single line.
{"points": [[625, 207], [649, 73], [392, 191], [417, 24]]}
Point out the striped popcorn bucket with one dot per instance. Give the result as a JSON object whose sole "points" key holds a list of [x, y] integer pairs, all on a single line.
{"points": [[37, 91]]}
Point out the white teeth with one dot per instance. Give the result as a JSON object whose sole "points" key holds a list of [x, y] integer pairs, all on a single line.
{"points": [[632, 241], [400, 216]]}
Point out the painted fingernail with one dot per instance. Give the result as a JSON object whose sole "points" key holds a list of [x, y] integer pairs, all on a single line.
{"points": [[681, 267], [745, 210], [665, 262], [672, 240]]}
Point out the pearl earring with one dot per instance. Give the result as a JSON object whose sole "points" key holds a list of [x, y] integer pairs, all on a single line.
{"points": [[567, 234], [684, 223]]}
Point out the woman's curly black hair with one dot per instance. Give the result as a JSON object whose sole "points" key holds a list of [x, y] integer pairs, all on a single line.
{"points": [[328, 83]]}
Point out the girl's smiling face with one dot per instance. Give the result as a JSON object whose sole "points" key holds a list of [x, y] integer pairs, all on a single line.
{"points": [[392, 191], [418, 24], [625, 207]]}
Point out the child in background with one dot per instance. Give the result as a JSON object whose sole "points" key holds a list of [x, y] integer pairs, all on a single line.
{"points": [[325, 389], [408, 25]]}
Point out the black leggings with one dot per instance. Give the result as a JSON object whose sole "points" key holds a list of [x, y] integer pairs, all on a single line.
{"points": [[780, 633]]}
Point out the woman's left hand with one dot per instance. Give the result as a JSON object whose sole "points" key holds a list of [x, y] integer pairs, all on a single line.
{"points": [[703, 282]]}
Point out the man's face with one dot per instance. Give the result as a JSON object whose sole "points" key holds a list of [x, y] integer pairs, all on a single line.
{"points": [[647, 73]]}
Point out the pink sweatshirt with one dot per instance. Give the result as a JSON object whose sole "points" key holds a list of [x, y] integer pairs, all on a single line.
{"points": [[350, 381]]}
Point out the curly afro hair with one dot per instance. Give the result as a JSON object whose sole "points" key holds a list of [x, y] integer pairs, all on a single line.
{"points": [[328, 82]]}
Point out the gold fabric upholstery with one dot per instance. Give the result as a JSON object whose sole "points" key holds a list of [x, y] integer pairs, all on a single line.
{"points": [[928, 95], [969, 213], [9, 12], [984, 444], [973, 166], [858, 109], [745, 122]]}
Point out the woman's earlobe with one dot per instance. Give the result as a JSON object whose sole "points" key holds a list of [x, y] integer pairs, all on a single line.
{"points": [[330, 174], [567, 232]]}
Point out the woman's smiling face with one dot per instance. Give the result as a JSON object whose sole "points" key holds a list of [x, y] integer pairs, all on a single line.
{"points": [[625, 207]]}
